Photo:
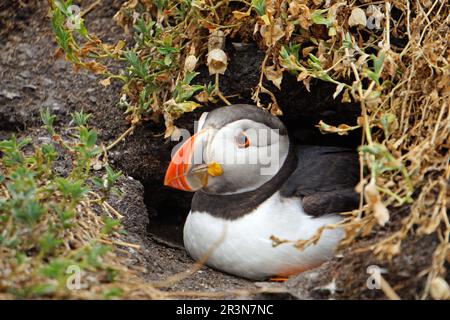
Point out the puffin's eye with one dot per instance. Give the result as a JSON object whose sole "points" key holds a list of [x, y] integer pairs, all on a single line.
{"points": [[242, 140]]}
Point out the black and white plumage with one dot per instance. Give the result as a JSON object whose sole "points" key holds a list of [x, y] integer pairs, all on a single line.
{"points": [[235, 213]]}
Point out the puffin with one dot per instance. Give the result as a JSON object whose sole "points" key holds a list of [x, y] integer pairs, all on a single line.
{"points": [[252, 184]]}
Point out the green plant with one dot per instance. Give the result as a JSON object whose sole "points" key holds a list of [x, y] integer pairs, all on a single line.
{"points": [[44, 214]]}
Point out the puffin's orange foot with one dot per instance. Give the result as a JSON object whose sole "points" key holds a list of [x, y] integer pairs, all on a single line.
{"points": [[279, 279]]}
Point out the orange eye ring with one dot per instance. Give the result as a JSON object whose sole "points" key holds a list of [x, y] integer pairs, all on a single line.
{"points": [[242, 140]]}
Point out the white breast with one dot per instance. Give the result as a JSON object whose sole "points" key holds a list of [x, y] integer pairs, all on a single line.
{"points": [[243, 246]]}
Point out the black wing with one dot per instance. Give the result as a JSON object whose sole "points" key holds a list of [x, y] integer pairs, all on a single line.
{"points": [[324, 179]]}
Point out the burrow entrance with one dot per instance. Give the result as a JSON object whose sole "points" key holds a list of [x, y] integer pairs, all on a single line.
{"points": [[302, 111]]}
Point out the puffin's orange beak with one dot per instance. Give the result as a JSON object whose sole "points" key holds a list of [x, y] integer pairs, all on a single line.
{"points": [[179, 174]]}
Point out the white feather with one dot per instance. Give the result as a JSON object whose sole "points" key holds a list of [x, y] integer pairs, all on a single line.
{"points": [[201, 121], [243, 246]]}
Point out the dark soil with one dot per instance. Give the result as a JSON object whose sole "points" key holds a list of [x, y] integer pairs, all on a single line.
{"points": [[30, 79]]}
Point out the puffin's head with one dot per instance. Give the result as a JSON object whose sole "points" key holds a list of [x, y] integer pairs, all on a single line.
{"points": [[236, 149]]}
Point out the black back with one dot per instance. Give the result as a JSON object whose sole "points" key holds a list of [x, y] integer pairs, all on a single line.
{"points": [[324, 179]]}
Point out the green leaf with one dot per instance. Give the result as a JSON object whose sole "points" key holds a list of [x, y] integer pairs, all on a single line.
{"points": [[48, 242], [314, 63], [20, 257], [80, 118], [56, 268], [377, 67], [61, 35], [317, 18], [49, 152], [48, 120], [28, 211], [167, 50], [65, 216], [136, 66], [112, 293], [88, 136], [259, 6], [378, 63], [189, 77], [11, 151], [109, 225], [183, 90], [97, 181], [160, 4], [71, 189], [91, 139], [294, 50], [373, 76], [111, 175], [93, 254]]}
